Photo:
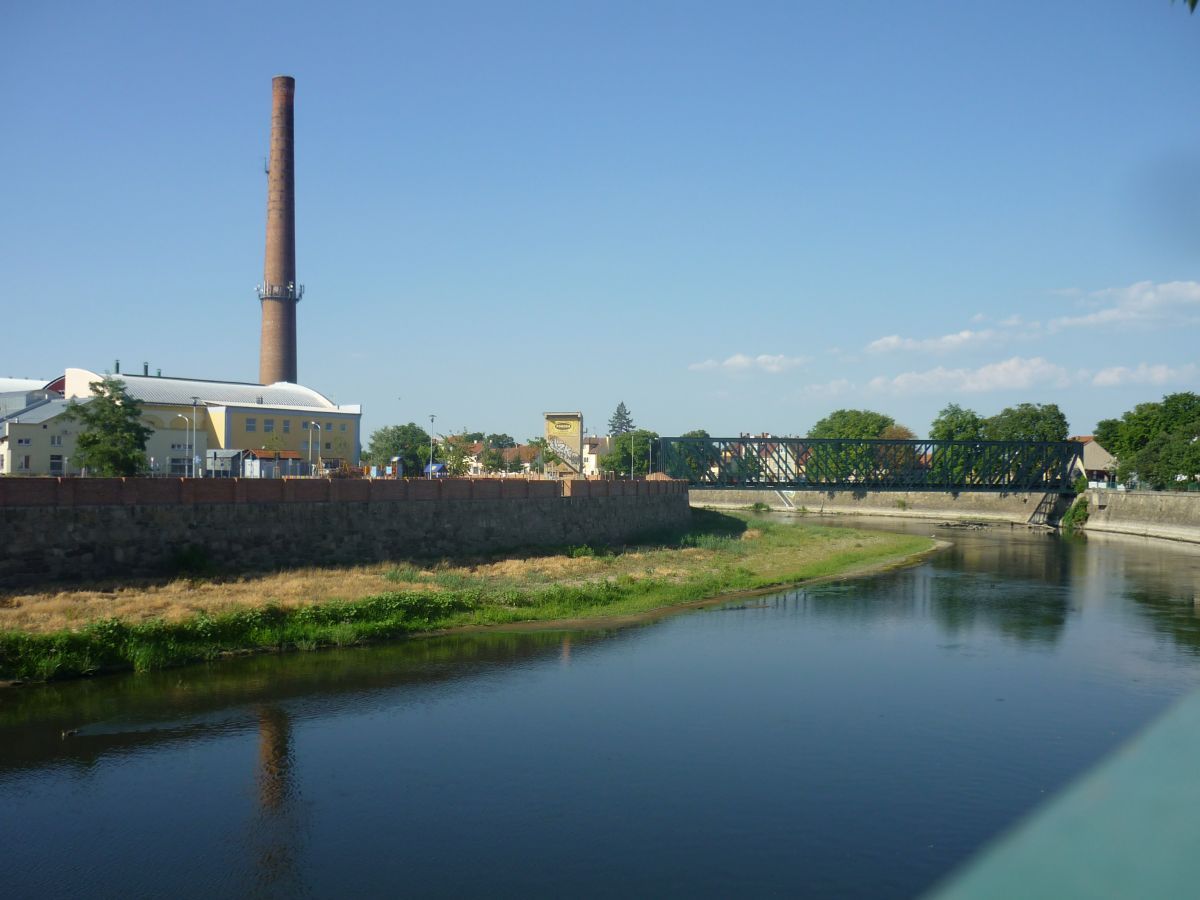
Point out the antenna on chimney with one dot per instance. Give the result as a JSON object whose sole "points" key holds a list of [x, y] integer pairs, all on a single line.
{"points": [[117, 368]]}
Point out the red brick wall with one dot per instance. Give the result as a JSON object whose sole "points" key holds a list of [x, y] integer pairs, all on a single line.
{"points": [[16, 492]]}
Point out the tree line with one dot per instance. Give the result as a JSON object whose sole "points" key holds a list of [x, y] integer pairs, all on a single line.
{"points": [[1157, 444]]}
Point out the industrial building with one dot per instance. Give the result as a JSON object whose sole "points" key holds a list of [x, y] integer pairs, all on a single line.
{"points": [[303, 430], [189, 417]]}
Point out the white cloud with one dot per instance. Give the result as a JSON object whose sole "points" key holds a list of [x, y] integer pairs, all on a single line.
{"points": [[1142, 373], [1139, 303], [1011, 374], [946, 342], [740, 362]]}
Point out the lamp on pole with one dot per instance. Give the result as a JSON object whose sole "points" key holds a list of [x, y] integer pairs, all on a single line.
{"points": [[186, 442], [429, 471], [314, 426], [195, 440]]}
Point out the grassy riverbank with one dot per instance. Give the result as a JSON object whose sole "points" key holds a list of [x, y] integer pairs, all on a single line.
{"points": [[151, 626]]}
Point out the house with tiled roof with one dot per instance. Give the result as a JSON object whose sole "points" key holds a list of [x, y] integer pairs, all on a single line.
{"points": [[1096, 463]]}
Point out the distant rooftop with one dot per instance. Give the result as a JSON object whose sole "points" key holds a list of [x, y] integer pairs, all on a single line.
{"points": [[180, 391], [41, 411], [13, 385]]}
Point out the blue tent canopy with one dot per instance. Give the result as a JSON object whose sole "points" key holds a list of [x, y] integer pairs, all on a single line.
{"points": [[435, 469]]}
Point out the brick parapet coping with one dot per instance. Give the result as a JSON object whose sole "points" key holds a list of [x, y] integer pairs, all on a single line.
{"points": [[70, 492]]}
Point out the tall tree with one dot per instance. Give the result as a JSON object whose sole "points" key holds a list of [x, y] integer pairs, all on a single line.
{"points": [[493, 460], [500, 441], [636, 446], [455, 452], [856, 424], [621, 421], [956, 424], [1158, 442], [409, 442], [113, 439], [897, 432], [1027, 422]]}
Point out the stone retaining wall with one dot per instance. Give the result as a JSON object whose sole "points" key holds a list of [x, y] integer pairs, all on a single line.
{"points": [[62, 529], [1170, 515], [965, 506]]}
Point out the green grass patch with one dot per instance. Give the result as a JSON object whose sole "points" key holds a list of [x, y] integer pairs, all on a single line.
{"points": [[722, 553]]}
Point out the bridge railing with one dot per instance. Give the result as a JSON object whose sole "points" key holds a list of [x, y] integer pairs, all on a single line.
{"points": [[874, 465]]}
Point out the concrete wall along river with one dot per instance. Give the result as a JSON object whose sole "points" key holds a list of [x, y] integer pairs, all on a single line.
{"points": [[95, 528]]}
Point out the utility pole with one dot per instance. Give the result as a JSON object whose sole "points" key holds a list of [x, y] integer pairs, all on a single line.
{"points": [[429, 471]]}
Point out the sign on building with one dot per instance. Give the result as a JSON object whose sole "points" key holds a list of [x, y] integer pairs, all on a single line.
{"points": [[564, 436]]}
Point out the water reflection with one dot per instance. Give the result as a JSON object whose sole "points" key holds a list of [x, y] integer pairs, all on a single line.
{"points": [[276, 834], [849, 739]]}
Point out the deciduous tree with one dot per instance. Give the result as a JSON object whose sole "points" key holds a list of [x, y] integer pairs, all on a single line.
{"points": [[956, 424], [858, 424], [409, 442], [636, 445], [112, 442], [1159, 442], [1027, 422]]}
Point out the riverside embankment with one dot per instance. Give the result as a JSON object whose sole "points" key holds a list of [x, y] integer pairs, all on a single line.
{"points": [[150, 626], [1158, 514], [58, 529], [1015, 508]]}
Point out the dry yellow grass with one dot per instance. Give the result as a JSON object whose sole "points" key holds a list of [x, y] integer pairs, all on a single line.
{"points": [[44, 612], [69, 608]]}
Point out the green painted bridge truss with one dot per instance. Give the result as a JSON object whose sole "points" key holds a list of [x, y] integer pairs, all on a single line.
{"points": [[871, 465]]}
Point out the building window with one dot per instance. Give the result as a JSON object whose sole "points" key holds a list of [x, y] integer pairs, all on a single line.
{"points": [[287, 426], [329, 426], [56, 440], [268, 424], [252, 424], [343, 426], [23, 464], [179, 466], [304, 425], [24, 442], [328, 445], [56, 466]]}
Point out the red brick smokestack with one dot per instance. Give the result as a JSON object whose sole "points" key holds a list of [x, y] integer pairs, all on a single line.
{"points": [[279, 292]]}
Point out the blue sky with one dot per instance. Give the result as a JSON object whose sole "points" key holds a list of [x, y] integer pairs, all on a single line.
{"points": [[736, 217]]}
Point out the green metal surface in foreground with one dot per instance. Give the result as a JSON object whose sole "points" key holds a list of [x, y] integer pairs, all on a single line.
{"points": [[1128, 829], [871, 465]]}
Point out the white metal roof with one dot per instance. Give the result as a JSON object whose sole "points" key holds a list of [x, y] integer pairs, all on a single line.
{"points": [[16, 385], [180, 391], [42, 411]]}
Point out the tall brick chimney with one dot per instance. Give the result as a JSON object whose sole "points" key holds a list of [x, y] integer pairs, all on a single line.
{"points": [[279, 293]]}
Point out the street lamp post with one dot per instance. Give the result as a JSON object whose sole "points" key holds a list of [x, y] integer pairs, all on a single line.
{"points": [[195, 439], [313, 426], [429, 471], [187, 445]]}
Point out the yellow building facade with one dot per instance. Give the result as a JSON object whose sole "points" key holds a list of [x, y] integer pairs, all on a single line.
{"points": [[191, 416]]}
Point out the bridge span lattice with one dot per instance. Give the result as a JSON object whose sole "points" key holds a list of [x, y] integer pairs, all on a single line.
{"points": [[871, 465]]}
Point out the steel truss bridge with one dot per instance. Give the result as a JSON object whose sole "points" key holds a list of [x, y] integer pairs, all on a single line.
{"points": [[871, 465]]}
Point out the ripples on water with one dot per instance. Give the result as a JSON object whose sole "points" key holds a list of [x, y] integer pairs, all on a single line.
{"points": [[853, 739]]}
